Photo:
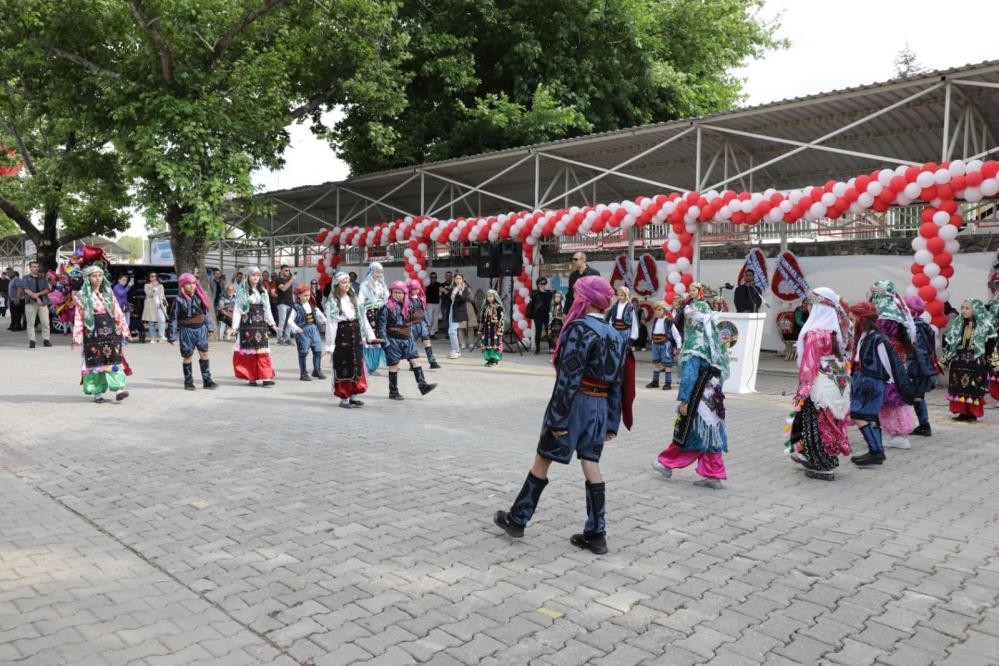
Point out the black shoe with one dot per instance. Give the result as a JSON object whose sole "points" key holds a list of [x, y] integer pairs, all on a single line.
{"points": [[870, 459], [969, 418], [356, 403], [667, 387], [253, 383], [502, 519], [434, 365], [595, 543], [304, 376], [396, 396], [923, 431], [822, 476], [268, 382], [652, 385], [121, 395], [31, 345], [427, 388], [210, 384], [318, 374], [188, 386], [46, 343], [98, 400]]}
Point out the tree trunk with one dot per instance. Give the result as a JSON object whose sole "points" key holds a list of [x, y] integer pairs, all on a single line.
{"points": [[188, 247], [48, 242]]}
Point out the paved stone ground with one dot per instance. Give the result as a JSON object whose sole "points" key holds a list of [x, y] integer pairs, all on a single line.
{"points": [[253, 526]]}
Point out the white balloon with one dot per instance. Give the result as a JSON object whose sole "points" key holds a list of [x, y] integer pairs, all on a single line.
{"points": [[839, 189], [856, 208], [941, 217], [923, 257], [990, 187], [423, 274], [957, 168], [974, 165], [943, 294], [952, 246], [948, 232], [407, 253], [786, 206], [828, 199], [673, 277], [817, 210], [775, 215], [931, 270], [901, 169], [925, 179], [918, 243], [628, 221], [866, 199], [683, 264], [912, 290], [690, 227], [972, 194], [912, 190], [885, 176], [673, 244], [926, 316], [941, 176], [680, 288], [939, 282]]}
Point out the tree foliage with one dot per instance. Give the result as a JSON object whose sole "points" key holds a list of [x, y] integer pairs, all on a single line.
{"points": [[491, 74], [195, 94], [907, 63]]}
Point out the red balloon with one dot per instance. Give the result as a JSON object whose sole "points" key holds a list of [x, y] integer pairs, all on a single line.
{"points": [[945, 191], [687, 251], [916, 269], [974, 179], [897, 183], [958, 183], [947, 271], [940, 321], [671, 257], [943, 259], [920, 280], [928, 194], [862, 182], [936, 245], [928, 293], [934, 307], [687, 278], [911, 173], [928, 230]]}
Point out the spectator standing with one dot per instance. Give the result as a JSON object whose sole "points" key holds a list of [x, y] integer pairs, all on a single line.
{"points": [[317, 294], [580, 269], [154, 309], [15, 296], [217, 285], [121, 288], [36, 303], [541, 308], [446, 299], [461, 294], [354, 284], [283, 288], [433, 305], [4, 285], [223, 311]]}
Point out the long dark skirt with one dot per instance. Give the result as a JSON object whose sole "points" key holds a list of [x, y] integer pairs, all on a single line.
{"points": [[805, 429]]}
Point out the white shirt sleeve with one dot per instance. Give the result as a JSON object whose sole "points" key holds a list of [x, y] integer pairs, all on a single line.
{"points": [[634, 324], [676, 336], [885, 362]]}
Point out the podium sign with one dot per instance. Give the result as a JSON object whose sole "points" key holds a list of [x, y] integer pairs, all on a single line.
{"points": [[742, 333]]}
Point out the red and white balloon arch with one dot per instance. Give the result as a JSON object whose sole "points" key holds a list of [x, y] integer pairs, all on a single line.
{"points": [[940, 186]]}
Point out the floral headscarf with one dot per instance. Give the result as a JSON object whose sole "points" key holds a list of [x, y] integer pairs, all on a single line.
{"points": [[87, 295], [985, 330], [701, 339], [243, 295], [333, 302], [497, 303], [891, 307]]}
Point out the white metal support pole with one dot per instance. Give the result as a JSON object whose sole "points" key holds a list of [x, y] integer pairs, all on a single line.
{"points": [[697, 187], [537, 180], [946, 123]]}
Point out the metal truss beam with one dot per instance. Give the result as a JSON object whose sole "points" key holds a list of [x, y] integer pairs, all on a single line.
{"points": [[479, 188], [604, 172], [382, 198], [372, 200]]}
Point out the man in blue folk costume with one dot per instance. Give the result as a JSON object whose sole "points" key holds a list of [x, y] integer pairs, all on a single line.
{"points": [[395, 330]]}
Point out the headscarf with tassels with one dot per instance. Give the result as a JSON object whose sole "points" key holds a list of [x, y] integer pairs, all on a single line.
{"points": [[985, 330], [87, 295], [186, 279], [243, 295], [827, 313]]}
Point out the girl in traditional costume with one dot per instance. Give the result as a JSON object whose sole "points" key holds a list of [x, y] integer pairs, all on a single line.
{"points": [[699, 434], [192, 323], [252, 320], [922, 365], [492, 322], [347, 331], [99, 328], [584, 412], [896, 322], [418, 321], [555, 319], [820, 428], [371, 297], [965, 340]]}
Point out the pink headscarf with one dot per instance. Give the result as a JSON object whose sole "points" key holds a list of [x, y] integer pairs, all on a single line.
{"points": [[916, 305], [393, 304], [188, 278], [416, 284], [590, 291]]}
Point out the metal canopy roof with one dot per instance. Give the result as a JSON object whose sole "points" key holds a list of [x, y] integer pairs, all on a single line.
{"points": [[936, 116]]}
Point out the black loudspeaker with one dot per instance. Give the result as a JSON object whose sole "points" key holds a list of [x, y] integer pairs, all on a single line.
{"points": [[487, 263], [511, 259]]}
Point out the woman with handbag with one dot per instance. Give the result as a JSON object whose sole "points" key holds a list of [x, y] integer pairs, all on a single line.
{"points": [[461, 294], [154, 311]]}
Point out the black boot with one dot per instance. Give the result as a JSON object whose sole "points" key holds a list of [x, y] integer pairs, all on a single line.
{"points": [[188, 377], [514, 520], [434, 365], [394, 386], [593, 537], [304, 376], [965, 417], [923, 429], [317, 365], [421, 381], [876, 450], [206, 374]]}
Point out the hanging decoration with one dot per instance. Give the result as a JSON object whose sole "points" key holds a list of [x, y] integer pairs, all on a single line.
{"points": [[789, 283], [940, 186], [646, 276], [621, 273], [756, 261]]}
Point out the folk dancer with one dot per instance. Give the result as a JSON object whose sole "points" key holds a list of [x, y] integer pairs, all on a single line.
{"points": [[622, 316], [699, 433], [303, 322], [665, 341], [252, 320], [584, 412], [192, 323], [371, 297], [820, 427], [923, 366], [491, 328], [393, 328], [897, 323], [966, 338], [418, 321], [347, 331], [99, 328]]}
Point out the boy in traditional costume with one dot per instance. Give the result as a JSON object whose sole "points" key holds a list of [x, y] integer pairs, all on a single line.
{"points": [[252, 320], [699, 434], [303, 322], [347, 331], [418, 321], [966, 338], [922, 365], [192, 323], [622, 316], [820, 428], [99, 328], [665, 340], [491, 328], [584, 412], [397, 336]]}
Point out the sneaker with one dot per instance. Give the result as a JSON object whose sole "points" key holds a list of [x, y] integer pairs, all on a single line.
{"points": [[454, 354], [665, 471], [46, 343], [898, 442], [713, 484], [31, 344], [798, 458]]}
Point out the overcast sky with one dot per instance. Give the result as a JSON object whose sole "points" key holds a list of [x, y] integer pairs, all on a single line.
{"points": [[833, 45]]}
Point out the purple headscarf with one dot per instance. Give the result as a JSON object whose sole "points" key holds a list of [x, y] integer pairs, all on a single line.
{"points": [[590, 291], [188, 278], [916, 305]]}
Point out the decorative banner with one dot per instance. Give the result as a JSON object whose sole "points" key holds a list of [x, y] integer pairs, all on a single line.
{"points": [[646, 276], [939, 185], [621, 273], [789, 283], [757, 262]]}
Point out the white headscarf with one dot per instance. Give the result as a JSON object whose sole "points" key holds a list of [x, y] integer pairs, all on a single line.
{"points": [[825, 316]]}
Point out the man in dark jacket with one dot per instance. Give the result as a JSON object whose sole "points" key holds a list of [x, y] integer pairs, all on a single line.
{"points": [[747, 295], [541, 307], [580, 269]]}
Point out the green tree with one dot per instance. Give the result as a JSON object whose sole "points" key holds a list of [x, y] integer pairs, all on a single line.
{"points": [[491, 74], [197, 93], [70, 184], [134, 245]]}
